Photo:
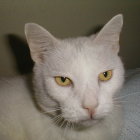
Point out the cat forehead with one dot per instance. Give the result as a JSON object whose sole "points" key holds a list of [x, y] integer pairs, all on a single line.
{"points": [[79, 53], [79, 47]]}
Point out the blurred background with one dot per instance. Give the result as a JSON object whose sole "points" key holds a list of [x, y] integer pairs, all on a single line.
{"points": [[64, 18]]}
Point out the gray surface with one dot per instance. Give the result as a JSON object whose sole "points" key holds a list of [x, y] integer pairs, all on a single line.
{"points": [[130, 96]]}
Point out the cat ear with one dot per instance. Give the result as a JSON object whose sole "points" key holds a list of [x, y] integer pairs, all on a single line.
{"points": [[39, 39], [109, 34]]}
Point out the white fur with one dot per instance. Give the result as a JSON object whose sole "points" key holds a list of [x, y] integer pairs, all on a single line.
{"points": [[80, 59]]}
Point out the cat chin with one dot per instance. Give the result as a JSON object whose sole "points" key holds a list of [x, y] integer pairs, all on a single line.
{"points": [[89, 123], [86, 122]]}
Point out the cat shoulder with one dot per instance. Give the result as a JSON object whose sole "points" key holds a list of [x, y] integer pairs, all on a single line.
{"points": [[15, 89]]}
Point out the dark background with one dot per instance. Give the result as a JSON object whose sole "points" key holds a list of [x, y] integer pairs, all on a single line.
{"points": [[64, 18]]}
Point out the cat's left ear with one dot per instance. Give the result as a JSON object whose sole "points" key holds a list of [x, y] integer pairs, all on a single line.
{"points": [[39, 41], [110, 33]]}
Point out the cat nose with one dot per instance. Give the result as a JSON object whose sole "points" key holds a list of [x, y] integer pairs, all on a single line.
{"points": [[91, 111], [90, 103]]}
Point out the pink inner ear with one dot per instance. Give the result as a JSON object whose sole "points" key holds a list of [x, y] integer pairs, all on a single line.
{"points": [[40, 57], [37, 57]]}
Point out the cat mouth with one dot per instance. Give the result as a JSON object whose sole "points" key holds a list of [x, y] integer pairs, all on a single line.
{"points": [[90, 120]]}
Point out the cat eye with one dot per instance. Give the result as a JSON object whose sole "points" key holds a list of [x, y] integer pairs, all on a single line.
{"points": [[105, 76], [63, 81]]}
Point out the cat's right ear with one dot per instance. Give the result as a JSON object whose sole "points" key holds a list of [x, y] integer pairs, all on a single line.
{"points": [[39, 40], [110, 33]]}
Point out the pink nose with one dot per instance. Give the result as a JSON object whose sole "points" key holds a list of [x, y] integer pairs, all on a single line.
{"points": [[90, 110]]}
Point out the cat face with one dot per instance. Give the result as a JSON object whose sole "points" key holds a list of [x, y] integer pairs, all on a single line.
{"points": [[78, 76]]}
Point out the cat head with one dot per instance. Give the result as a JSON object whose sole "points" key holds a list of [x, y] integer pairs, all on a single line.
{"points": [[78, 76]]}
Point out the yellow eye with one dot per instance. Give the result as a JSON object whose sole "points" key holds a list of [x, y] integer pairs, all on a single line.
{"points": [[105, 76], [63, 81]]}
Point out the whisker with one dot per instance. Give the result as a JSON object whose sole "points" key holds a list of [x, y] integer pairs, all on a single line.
{"points": [[119, 101], [72, 125], [62, 124], [66, 127], [58, 121], [121, 97], [58, 107], [52, 110], [57, 118], [117, 105]]}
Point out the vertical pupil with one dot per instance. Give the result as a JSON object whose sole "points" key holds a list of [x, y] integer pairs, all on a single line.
{"points": [[63, 79], [105, 74]]}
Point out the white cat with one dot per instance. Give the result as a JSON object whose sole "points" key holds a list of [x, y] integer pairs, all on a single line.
{"points": [[75, 81]]}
